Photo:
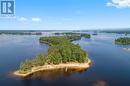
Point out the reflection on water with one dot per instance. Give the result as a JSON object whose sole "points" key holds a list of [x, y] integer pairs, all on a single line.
{"points": [[100, 83], [111, 66], [52, 74]]}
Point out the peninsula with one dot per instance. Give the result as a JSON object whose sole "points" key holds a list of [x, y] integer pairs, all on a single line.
{"points": [[61, 54]]}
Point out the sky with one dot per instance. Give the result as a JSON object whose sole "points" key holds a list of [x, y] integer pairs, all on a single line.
{"points": [[68, 15]]}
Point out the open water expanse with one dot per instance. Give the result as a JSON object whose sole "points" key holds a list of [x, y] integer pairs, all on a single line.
{"points": [[110, 63]]}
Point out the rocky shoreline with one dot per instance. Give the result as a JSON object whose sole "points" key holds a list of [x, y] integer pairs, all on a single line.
{"points": [[54, 67]]}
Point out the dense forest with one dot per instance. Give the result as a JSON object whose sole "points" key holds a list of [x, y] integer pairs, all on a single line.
{"points": [[118, 31], [74, 34], [86, 35], [123, 41], [61, 50], [20, 32]]}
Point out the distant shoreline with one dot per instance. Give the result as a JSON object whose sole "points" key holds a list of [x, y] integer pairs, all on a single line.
{"points": [[54, 67]]}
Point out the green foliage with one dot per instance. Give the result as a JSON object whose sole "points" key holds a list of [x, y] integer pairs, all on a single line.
{"points": [[122, 41], [26, 66], [86, 35], [61, 50], [66, 52], [54, 40], [71, 34], [39, 60]]}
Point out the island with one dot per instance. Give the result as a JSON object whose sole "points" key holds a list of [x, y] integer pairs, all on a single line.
{"points": [[128, 49], [122, 41], [62, 53]]}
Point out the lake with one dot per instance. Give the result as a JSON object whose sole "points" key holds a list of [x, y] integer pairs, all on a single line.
{"points": [[110, 63]]}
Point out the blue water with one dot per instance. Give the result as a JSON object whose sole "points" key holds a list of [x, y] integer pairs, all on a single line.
{"points": [[110, 63]]}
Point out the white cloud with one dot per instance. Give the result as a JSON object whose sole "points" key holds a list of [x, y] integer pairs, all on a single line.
{"points": [[36, 19], [22, 19], [119, 3]]}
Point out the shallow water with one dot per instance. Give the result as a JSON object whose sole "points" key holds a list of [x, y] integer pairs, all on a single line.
{"points": [[110, 63]]}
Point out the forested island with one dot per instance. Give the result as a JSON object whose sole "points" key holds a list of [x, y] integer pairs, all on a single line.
{"points": [[61, 54], [122, 41]]}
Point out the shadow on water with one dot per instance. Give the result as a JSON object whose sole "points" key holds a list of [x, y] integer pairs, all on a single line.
{"points": [[52, 74], [100, 83], [51, 77]]}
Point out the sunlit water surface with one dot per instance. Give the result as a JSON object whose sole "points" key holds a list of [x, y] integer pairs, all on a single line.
{"points": [[110, 63]]}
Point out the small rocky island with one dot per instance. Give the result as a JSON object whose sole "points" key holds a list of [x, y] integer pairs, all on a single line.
{"points": [[122, 41], [128, 49], [61, 54]]}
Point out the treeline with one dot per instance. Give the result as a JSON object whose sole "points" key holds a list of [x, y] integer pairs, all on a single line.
{"points": [[123, 41], [74, 34], [61, 50], [68, 33], [54, 40], [86, 35], [21, 33]]}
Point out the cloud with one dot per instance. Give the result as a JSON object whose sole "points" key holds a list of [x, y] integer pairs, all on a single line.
{"points": [[36, 19], [119, 3], [22, 19]]}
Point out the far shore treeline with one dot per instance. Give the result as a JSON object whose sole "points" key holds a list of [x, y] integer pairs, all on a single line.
{"points": [[61, 50]]}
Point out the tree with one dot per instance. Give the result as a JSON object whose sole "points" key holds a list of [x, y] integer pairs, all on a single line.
{"points": [[39, 60], [61, 50], [123, 41], [26, 66]]}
